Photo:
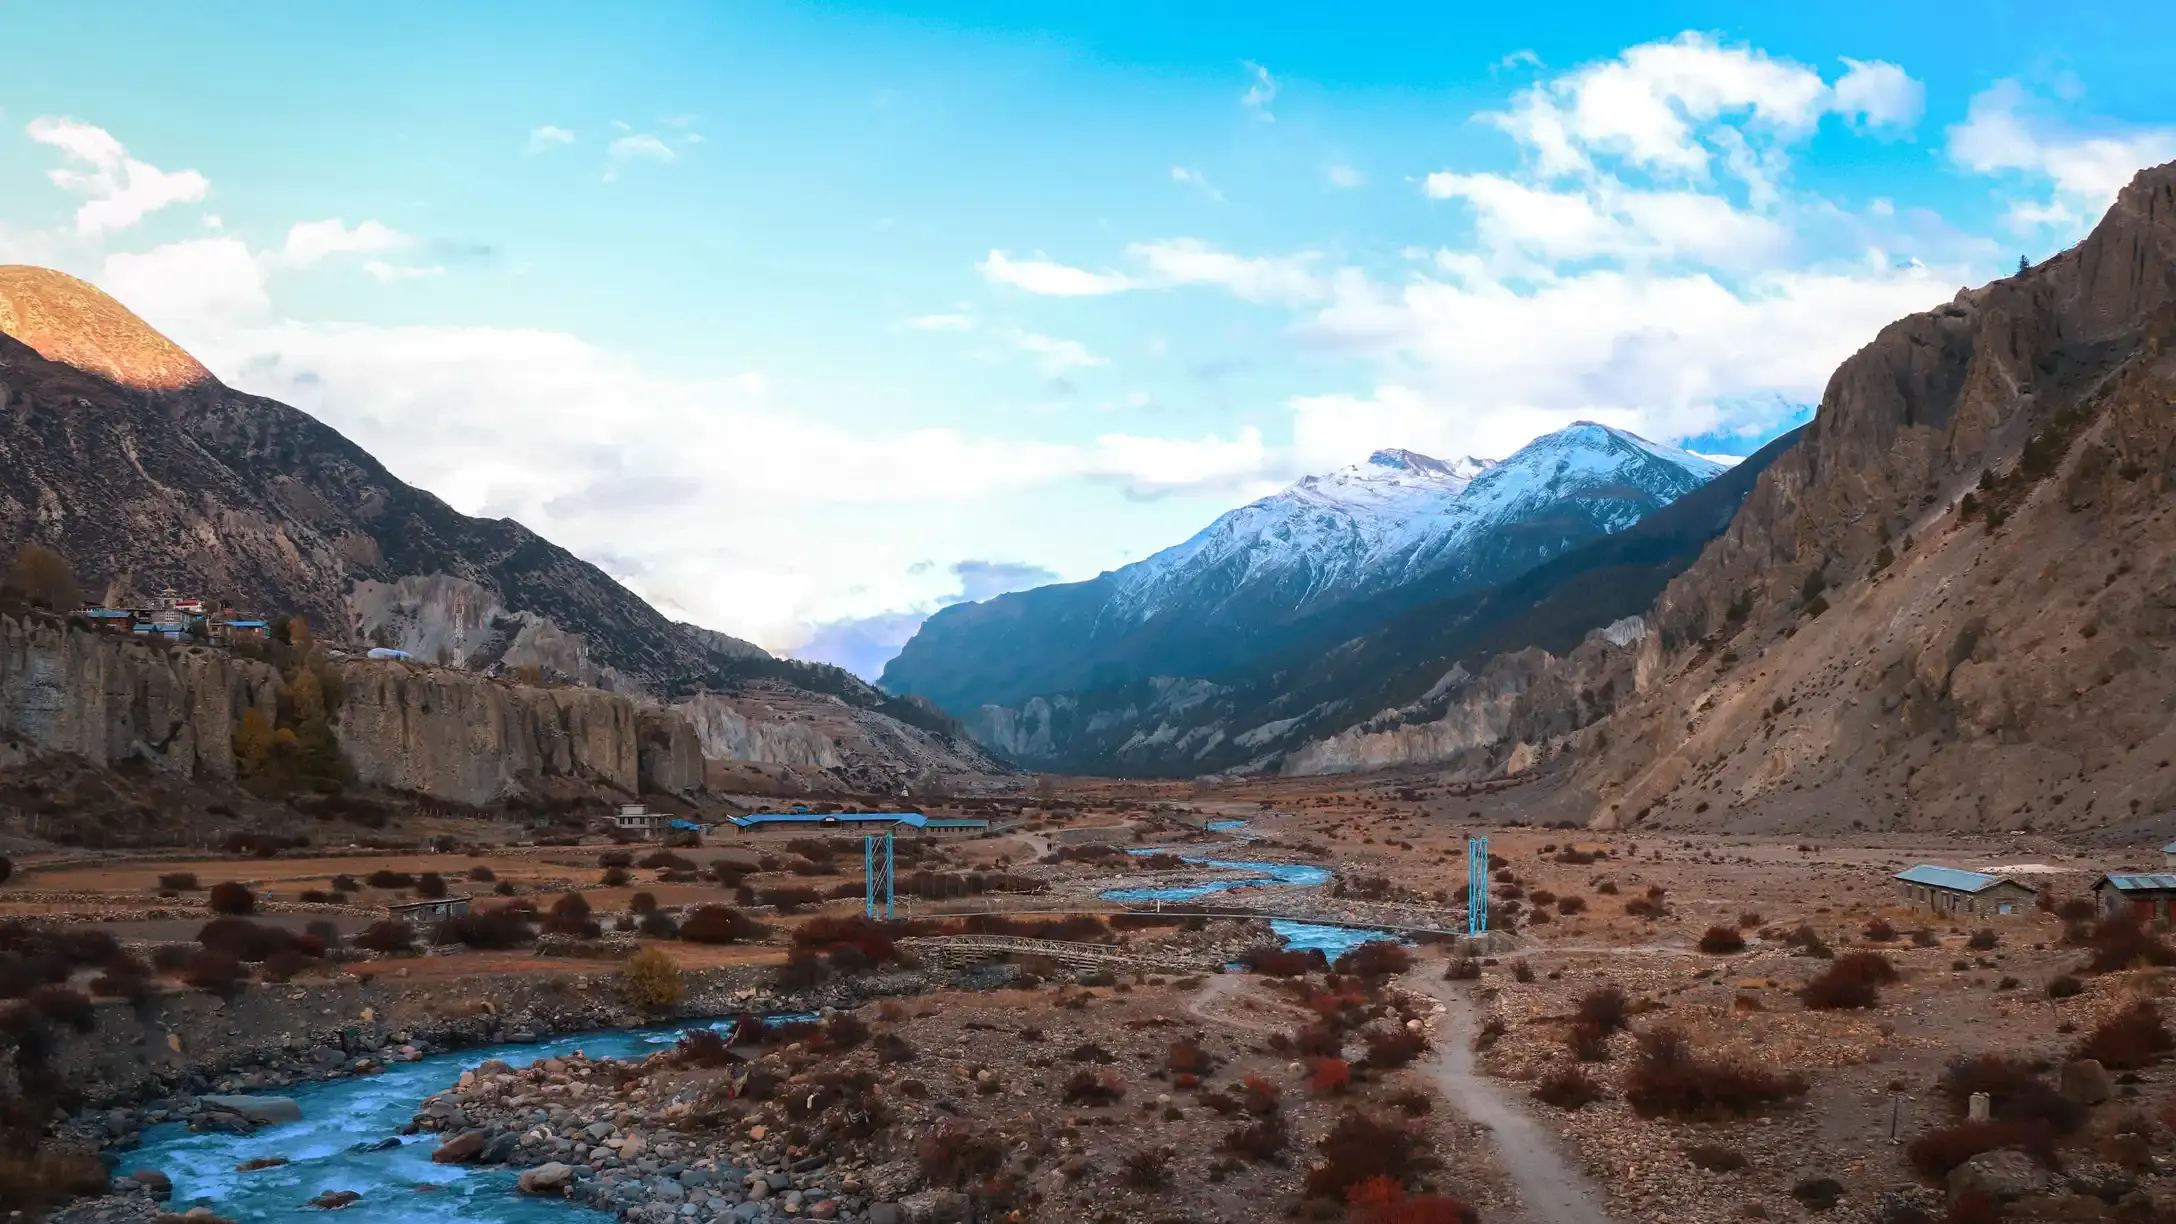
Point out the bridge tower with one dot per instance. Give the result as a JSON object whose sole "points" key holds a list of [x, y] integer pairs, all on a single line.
{"points": [[1476, 886], [876, 866]]}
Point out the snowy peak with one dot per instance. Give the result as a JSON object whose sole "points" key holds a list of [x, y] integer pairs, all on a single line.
{"points": [[1588, 460], [1402, 460]]}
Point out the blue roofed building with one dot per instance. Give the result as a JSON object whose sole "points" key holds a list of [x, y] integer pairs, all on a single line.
{"points": [[2146, 895], [865, 822], [1955, 891]]}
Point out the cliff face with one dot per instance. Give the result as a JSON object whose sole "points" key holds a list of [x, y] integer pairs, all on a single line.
{"points": [[109, 699], [782, 725], [442, 734]]}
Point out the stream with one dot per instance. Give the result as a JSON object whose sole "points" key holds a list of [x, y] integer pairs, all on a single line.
{"points": [[336, 1145]]}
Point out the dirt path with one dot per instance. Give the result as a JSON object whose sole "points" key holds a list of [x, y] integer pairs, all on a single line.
{"points": [[1551, 1188], [1211, 1004]]}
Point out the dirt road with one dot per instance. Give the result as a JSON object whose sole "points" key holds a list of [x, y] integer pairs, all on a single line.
{"points": [[1551, 1189]]}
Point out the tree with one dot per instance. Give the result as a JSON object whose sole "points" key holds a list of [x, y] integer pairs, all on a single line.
{"points": [[253, 743], [2024, 265], [298, 632], [45, 578], [651, 981]]}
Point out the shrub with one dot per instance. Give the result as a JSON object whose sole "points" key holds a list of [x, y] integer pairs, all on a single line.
{"points": [[1569, 906], [1186, 1057], [1588, 1042], [642, 903], [702, 1047], [657, 924], [1925, 937], [1377, 958], [789, 900], [1983, 940], [482, 874], [2119, 942], [1326, 1076], [61, 1005], [1462, 969], [2132, 1038], [2015, 1092], [386, 936], [719, 924], [1605, 1008], [1878, 930], [213, 972], [1358, 1148], [431, 886], [614, 877], [1568, 1087], [1817, 1193], [1934, 1153], [2064, 986], [230, 897], [1091, 1087], [1832, 991], [281, 966], [344, 883], [892, 1048], [1521, 971], [651, 981], [179, 881], [1722, 941], [245, 940], [569, 915], [1668, 1079], [1147, 1169], [388, 879], [951, 1154], [803, 970], [1395, 1048], [1257, 1095], [1262, 1140], [30, 1182], [665, 860]]}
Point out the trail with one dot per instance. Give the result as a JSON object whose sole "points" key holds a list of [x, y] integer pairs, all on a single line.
{"points": [[1551, 1189], [1217, 991]]}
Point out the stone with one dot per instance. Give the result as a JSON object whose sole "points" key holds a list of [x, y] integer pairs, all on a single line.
{"points": [[333, 1200], [551, 1178], [2086, 1081], [888, 1183], [157, 1182], [1978, 1107], [462, 1148], [261, 1162], [261, 1110], [633, 1148], [598, 1132], [886, 1213], [2000, 1175], [500, 1149]]}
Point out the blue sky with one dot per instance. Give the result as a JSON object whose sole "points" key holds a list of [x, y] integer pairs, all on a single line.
{"points": [[805, 321]]}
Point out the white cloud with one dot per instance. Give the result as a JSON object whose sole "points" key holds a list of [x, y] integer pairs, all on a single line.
{"points": [[1522, 58], [1054, 355], [545, 138], [1606, 220], [1674, 108], [1261, 93], [641, 146], [388, 274], [1189, 261], [1879, 94], [309, 242], [1050, 279], [186, 288], [122, 189], [942, 322], [1196, 179], [2003, 132], [1344, 177]]}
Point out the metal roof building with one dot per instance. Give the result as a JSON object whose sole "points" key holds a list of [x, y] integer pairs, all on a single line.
{"points": [[761, 821], [1953, 890], [2145, 894]]}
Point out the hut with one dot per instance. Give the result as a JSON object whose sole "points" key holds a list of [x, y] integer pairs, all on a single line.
{"points": [[1952, 890], [2144, 895]]}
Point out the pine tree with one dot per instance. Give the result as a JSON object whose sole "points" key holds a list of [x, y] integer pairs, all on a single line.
{"points": [[2024, 265]]}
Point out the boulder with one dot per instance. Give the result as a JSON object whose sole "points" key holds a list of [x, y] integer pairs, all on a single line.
{"points": [[934, 1207], [260, 1110], [462, 1148], [888, 1183], [2000, 1175], [2086, 1081], [552, 1178], [158, 1183], [333, 1200], [886, 1213]]}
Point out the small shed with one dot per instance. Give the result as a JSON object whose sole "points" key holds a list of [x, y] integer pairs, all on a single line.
{"points": [[1953, 890], [2145, 895], [2168, 855], [429, 913]]}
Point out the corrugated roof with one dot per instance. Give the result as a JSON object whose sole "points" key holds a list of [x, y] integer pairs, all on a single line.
{"points": [[915, 819], [2156, 881], [2169, 848], [1955, 879]]}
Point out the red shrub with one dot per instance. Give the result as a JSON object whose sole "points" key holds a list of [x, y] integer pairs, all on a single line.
{"points": [[1091, 1087], [1259, 1095], [1605, 1007], [1722, 941], [719, 924], [1395, 1049], [1328, 1075], [1377, 958], [2132, 1038], [1357, 1149], [1669, 1079], [1936, 1152], [2119, 942], [228, 897], [1568, 1087]]}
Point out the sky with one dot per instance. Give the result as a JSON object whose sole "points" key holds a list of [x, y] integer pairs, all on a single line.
{"points": [[805, 321]]}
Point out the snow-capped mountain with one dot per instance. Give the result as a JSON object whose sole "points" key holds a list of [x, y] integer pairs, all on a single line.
{"points": [[1322, 560]]}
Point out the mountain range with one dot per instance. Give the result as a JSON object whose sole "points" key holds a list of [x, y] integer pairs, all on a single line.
{"points": [[1316, 563], [146, 472]]}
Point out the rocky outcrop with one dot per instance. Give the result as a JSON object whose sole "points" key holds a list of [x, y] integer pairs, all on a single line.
{"points": [[780, 724], [472, 740], [111, 700]]}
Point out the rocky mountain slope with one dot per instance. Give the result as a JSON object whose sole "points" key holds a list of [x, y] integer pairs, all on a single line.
{"points": [[1952, 605], [1330, 704], [1321, 561], [146, 472]]}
